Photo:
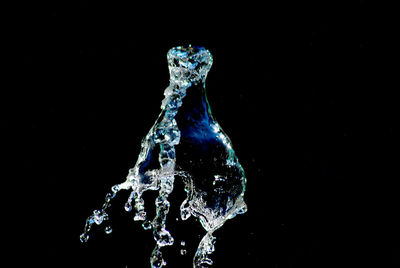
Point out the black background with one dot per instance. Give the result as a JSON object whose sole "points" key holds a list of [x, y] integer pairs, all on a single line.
{"points": [[302, 90]]}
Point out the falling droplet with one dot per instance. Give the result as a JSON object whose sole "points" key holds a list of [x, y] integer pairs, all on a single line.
{"points": [[183, 251], [128, 206], [146, 225], [84, 237], [108, 230]]}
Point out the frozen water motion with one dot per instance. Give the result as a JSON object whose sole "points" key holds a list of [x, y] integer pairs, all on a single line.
{"points": [[188, 144]]}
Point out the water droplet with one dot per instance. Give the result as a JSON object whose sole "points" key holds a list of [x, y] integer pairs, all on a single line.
{"points": [[108, 230], [183, 251], [128, 206], [84, 237], [147, 225], [183, 243]]}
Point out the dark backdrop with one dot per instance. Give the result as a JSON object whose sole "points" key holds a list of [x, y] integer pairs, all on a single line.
{"points": [[301, 89]]}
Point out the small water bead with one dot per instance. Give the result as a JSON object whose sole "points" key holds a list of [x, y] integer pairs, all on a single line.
{"points": [[128, 206], [183, 243], [84, 237], [147, 225], [108, 230]]}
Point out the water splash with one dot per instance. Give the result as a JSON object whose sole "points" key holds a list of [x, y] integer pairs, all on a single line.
{"points": [[197, 152]]}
